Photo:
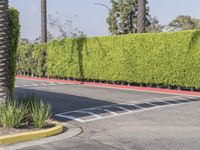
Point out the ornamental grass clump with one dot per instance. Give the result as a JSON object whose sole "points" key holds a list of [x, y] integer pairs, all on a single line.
{"points": [[40, 114], [28, 111], [12, 115]]}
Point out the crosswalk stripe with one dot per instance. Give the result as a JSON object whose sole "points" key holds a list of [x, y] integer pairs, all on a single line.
{"points": [[114, 112], [70, 117]]}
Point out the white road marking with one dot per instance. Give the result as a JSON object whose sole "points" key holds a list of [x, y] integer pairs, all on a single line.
{"points": [[114, 113], [70, 117], [98, 117], [90, 113], [129, 102], [34, 84], [39, 84], [44, 83], [123, 108]]}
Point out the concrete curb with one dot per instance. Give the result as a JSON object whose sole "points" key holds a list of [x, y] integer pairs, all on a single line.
{"points": [[33, 135], [136, 88], [70, 131]]}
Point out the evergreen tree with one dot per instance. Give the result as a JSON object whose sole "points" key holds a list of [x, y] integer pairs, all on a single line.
{"points": [[184, 23], [122, 18], [154, 26]]}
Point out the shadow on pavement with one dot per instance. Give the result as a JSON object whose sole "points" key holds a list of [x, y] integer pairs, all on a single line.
{"points": [[63, 102]]}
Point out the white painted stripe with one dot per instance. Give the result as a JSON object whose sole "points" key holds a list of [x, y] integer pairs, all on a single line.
{"points": [[193, 97], [152, 104], [129, 102], [90, 113], [136, 106], [34, 84], [44, 83], [26, 85], [52, 83], [184, 99], [69, 117], [114, 113], [140, 110], [123, 108], [99, 86]]}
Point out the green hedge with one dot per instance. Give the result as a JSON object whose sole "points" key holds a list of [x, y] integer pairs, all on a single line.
{"points": [[29, 59], [156, 58], [14, 29]]}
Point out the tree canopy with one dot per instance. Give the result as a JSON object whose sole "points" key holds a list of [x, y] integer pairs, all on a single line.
{"points": [[184, 23], [122, 18]]}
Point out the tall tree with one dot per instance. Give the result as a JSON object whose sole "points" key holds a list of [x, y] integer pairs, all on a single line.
{"points": [[184, 23], [4, 52], [44, 33], [141, 27], [154, 26], [43, 21], [122, 18]]}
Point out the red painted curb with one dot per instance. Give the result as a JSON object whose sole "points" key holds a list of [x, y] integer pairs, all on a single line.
{"points": [[147, 89]]}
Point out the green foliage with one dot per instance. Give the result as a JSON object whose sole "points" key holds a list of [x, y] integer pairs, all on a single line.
{"points": [[122, 17], [154, 26], [12, 115], [184, 23], [14, 29], [156, 58], [28, 111], [40, 113], [30, 60]]}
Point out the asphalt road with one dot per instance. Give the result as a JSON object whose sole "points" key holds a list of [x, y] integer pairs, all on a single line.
{"points": [[145, 121]]}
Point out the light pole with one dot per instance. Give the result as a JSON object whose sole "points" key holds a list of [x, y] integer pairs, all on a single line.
{"points": [[103, 5]]}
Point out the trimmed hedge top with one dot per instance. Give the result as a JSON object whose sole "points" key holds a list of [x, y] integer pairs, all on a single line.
{"points": [[156, 58]]}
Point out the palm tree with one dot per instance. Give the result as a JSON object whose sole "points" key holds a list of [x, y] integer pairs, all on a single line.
{"points": [[43, 33], [141, 16], [4, 52], [43, 21]]}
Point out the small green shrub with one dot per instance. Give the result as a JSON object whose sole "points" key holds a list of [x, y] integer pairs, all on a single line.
{"points": [[12, 115], [40, 113], [28, 111], [27, 100]]}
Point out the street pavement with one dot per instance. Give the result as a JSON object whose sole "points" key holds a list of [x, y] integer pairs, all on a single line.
{"points": [[116, 119]]}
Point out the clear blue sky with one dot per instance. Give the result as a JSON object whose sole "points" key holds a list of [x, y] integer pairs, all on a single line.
{"points": [[91, 18]]}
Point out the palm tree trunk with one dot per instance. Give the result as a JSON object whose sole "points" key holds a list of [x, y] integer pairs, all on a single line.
{"points": [[141, 16], [4, 52], [43, 21], [44, 33]]}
